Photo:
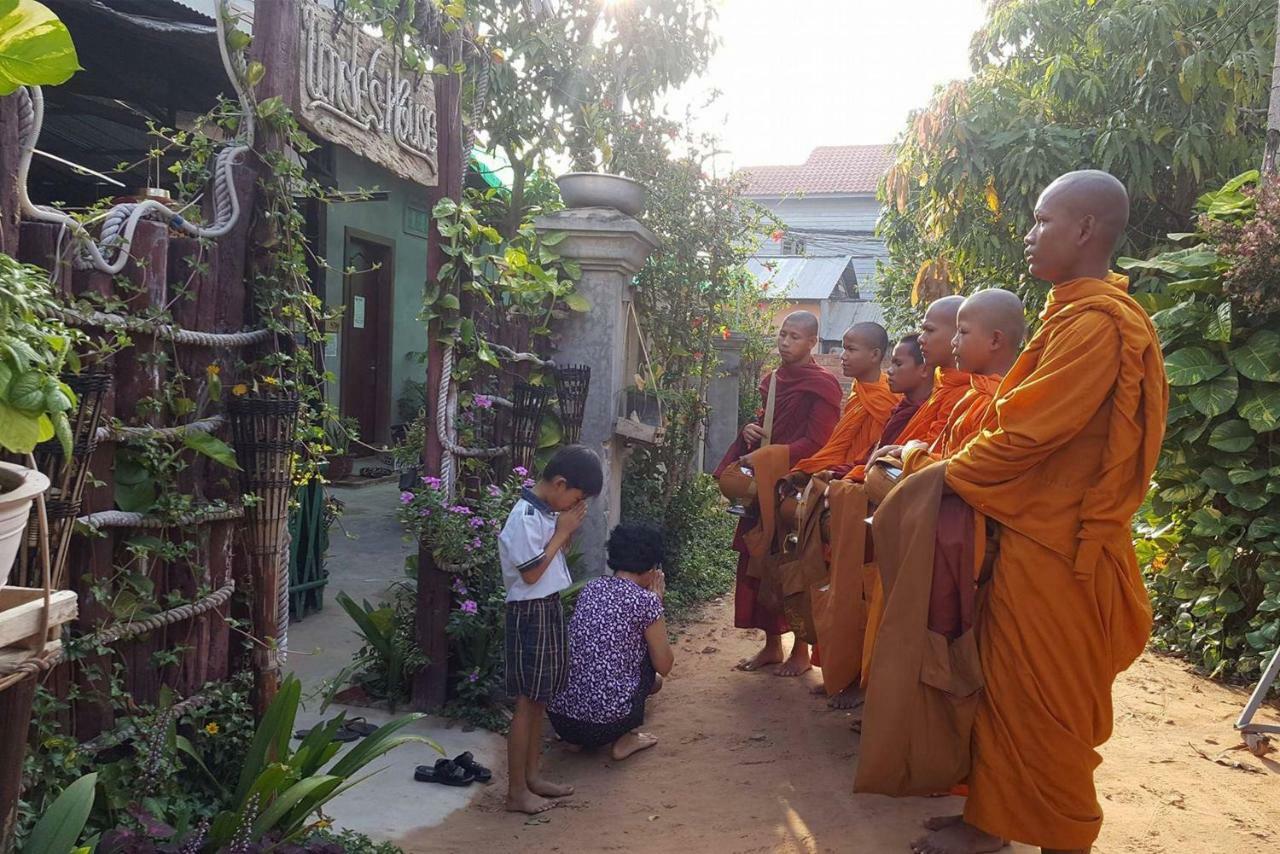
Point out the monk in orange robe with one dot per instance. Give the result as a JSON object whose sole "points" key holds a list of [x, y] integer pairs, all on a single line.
{"points": [[990, 328], [949, 384], [1079, 422], [911, 378], [868, 408]]}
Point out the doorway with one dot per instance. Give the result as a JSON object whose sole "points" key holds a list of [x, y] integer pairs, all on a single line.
{"points": [[369, 293]]}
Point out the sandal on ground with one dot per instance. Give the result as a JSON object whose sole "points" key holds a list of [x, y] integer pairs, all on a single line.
{"points": [[446, 772], [342, 734], [468, 763], [360, 727], [374, 472]]}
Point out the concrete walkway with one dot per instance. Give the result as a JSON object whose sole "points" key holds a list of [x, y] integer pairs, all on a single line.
{"points": [[366, 555]]}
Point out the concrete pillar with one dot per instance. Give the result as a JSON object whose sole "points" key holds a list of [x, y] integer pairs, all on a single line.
{"points": [[722, 398], [611, 247]]}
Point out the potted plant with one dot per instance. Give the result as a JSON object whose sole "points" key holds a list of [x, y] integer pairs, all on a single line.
{"points": [[591, 184], [34, 349], [338, 434]]}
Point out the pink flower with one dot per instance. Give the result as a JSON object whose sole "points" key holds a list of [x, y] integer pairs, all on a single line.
{"points": [[433, 482], [470, 606], [406, 498], [520, 471], [529, 483], [483, 401], [476, 522], [460, 510], [476, 543], [459, 587], [474, 675], [426, 511], [494, 491]]}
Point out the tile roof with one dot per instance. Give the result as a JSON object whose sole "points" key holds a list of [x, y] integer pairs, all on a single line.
{"points": [[829, 169]]}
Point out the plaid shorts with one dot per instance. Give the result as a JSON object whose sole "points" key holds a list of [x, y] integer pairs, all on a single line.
{"points": [[537, 648]]}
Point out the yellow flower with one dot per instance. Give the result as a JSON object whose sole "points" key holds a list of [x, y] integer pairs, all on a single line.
{"points": [[239, 389], [211, 728], [270, 380], [213, 370], [323, 824]]}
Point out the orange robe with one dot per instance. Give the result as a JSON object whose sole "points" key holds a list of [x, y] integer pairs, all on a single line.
{"points": [[1080, 418], [858, 430], [949, 386], [975, 412]]}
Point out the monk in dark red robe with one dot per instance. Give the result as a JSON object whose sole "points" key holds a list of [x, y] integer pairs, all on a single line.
{"points": [[806, 409]]}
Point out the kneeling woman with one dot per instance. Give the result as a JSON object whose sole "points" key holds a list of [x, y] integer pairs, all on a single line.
{"points": [[618, 648]]}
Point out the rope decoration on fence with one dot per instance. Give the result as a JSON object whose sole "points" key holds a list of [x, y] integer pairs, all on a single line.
{"points": [[133, 628], [120, 223], [125, 434], [121, 519], [166, 331], [513, 356]]}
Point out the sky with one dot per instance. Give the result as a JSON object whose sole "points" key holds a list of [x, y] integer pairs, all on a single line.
{"points": [[795, 74]]}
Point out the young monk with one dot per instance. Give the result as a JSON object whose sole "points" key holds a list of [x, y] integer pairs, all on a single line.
{"points": [[910, 377], [806, 408], [990, 327], [949, 384], [868, 409], [1079, 422]]}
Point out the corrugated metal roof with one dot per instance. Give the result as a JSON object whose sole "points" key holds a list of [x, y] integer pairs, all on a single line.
{"points": [[829, 169], [804, 278], [839, 315]]}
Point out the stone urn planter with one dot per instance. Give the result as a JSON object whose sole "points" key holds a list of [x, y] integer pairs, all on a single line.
{"points": [[599, 190], [19, 486]]}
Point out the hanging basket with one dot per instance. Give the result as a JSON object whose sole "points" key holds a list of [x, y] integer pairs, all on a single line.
{"points": [[528, 405], [264, 430], [67, 476], [572, 383]]}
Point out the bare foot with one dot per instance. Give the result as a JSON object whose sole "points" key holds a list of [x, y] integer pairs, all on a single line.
{"points": [[761, 659], [632, 742], [548, 789], [528, 803], [940, 821], [958, 838], [849, 698], [795, 665]]}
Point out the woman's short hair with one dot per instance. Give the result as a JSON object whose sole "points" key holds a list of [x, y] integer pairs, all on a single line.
{"points": [[636, 547]]}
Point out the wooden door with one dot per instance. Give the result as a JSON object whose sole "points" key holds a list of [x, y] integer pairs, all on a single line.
{"points": [[366, 335]]}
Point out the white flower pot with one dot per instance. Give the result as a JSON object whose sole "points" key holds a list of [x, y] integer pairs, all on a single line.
{"points": [[598, 190], [19, 486]]}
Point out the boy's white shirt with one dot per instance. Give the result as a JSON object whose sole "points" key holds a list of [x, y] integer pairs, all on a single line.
{"points": [[523, 543]]}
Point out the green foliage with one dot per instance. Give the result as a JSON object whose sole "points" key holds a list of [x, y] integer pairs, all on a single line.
{"points": [[1168, 95], [34, 349], [280, 787], [700, 565], [1210, 524], [35, 47], [386, 662], [58, 829]]}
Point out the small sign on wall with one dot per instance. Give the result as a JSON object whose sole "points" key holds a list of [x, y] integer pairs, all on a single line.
{"points": [[417, 221], [357, 312]]}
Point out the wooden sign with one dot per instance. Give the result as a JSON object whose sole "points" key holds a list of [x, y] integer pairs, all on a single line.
{"points": [[353, 90]]}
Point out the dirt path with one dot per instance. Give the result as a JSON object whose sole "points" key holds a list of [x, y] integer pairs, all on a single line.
{"points": [[753, 763]]}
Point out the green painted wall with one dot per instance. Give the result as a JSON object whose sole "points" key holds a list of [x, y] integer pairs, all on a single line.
{"points": [[385, 219]]}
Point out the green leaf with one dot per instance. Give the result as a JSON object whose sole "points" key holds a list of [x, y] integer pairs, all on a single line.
{"points": [[449, 302], [1247, 499], [1192, 365], [211, 446], [1232, 437], [1207, 522], [1217, 395], [1181, 493], [1264, 528], [1229, 602], [19, 431], [1261, 405], [1216, 478], [1220, 558], [35, 49], [1219, 326], [553, 238], [61, 824], [27, 391], [1192, 260], [1259, 358], [577, 302]]}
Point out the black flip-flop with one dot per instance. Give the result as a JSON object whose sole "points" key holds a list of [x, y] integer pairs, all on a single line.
{"points": [[342, 734], [468, 763], [374, 472], [446, 773], [360, 727]]}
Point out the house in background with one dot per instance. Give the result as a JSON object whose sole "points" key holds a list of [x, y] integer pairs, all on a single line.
{"points": [[824, 257]]}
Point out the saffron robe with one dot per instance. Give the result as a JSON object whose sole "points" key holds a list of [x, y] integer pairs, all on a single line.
{"points": [[1079, 422], [858, 430], [975, 412], [806, 408], [949, 386]]}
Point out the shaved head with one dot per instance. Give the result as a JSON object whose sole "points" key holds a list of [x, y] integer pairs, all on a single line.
{"points": [[937, 330], [871, 334], [1080, 219], [804, 321], [989, 331], [797, 337], [996, 310]]}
